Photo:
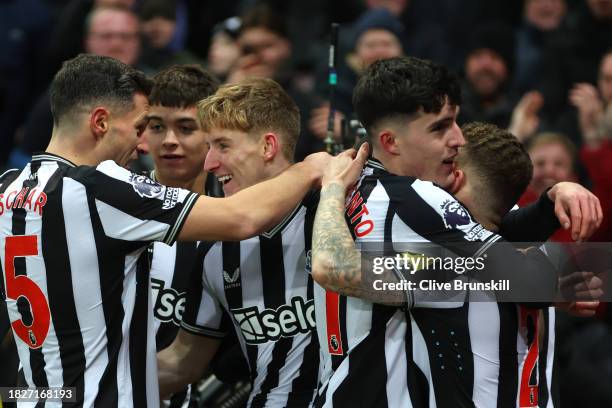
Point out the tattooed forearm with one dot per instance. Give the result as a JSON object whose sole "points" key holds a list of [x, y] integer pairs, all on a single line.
{"points": [[336, 263]]}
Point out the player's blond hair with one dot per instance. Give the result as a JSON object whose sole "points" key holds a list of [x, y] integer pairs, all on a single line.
{"points": [[253, 106]]}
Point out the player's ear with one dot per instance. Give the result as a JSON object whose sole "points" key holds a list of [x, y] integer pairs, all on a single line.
{"points": [[98, 122], [459, 181], [271, 146], [388, 142]]}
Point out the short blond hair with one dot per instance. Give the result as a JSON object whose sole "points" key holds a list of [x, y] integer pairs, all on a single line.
{"points": [[252, 106]]}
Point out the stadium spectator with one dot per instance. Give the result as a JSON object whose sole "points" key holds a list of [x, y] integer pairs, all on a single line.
{"points": [[224, 51], [573, 56], [111, 32], [487, 93], [540, 19], [158, 19], [79, 217], [24, 29], [266, 53]]}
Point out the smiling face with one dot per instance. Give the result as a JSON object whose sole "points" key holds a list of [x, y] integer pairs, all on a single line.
{"points": [[176, 144], [551, 164], [235, 158], [428, 146]]}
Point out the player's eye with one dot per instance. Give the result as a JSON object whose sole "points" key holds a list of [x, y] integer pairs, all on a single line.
{"points": [[155, 127]]}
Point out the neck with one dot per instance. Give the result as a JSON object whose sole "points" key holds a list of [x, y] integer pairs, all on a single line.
{"points": [[483, 215], [73, 147], [392, 165], [196, 184]]}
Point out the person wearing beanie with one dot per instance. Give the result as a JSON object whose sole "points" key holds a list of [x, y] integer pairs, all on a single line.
{"points": [[488, 68], [159, 28]]}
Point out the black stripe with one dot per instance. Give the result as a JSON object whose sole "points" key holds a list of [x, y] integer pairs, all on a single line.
{"points": [[111, 262], [366, 382], [543, 392], [272, 271], [185, 257], [179, 398], [418, 385], [230, 252], [450, 354], [138, 334], [273, 282], [195, 286], [59, 286], [281, 348], [37, 362], [306, 381], [508, 365]]}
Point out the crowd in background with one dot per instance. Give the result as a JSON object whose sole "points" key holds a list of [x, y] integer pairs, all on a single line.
{"points": [[541, 68]]}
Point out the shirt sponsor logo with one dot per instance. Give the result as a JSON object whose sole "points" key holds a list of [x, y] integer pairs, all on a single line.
{"points": [[145, 187], [169, 304], [288, 320], [454, 214]]}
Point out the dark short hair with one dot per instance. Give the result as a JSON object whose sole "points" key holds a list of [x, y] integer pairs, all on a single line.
{"points": [[181, 86], [87, 80], [262, 16], [403, 86], [502, 164]]}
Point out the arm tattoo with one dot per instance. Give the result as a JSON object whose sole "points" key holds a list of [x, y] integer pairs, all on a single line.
{"points": [[335, 255]]}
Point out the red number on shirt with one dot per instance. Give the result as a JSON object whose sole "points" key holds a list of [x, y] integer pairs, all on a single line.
{"points": [[22, 286]]}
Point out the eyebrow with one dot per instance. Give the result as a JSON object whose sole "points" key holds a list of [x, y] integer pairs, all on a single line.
{"points": [[443, 121]]}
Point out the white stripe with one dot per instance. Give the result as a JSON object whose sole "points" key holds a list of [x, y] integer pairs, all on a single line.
{"points": [[484, 326], [550, 355], [396, 362], [128, 297], [335, 381], [162, 268], [86, 287], [120, 225], [152, 385]]}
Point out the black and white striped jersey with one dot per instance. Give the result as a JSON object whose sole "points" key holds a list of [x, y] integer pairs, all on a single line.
{"points": [[484, 354], [367, 359], [75, 285], [263, 284]]}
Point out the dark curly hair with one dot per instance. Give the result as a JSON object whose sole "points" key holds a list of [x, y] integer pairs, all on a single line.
{"points": [[501, 162], [403, 86]]}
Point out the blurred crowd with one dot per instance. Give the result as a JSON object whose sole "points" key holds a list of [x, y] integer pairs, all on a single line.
{"points": [[541, 68]]}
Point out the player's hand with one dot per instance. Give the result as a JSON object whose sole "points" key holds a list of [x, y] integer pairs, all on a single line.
{"points": [[582, 290], [576, 208], [579, 309], [316, 164], [345, 168]]}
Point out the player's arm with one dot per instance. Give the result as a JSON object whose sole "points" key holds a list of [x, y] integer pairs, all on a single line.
{"points": [[336, 263], [184, 361], [254, 209], [566, 204]]}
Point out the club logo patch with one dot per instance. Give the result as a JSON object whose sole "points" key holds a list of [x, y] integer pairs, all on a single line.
{"points": [[145, 187], [454, 214]]}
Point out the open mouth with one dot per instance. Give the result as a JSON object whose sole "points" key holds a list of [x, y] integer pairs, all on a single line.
{"points": [[171, 156], [224, 179]]}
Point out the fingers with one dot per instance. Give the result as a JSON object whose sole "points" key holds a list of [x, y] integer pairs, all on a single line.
{"points": [[586, 219], [561, 215]]}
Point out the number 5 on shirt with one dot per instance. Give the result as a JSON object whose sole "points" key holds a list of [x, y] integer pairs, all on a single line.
{"points": [[22, 286]]}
